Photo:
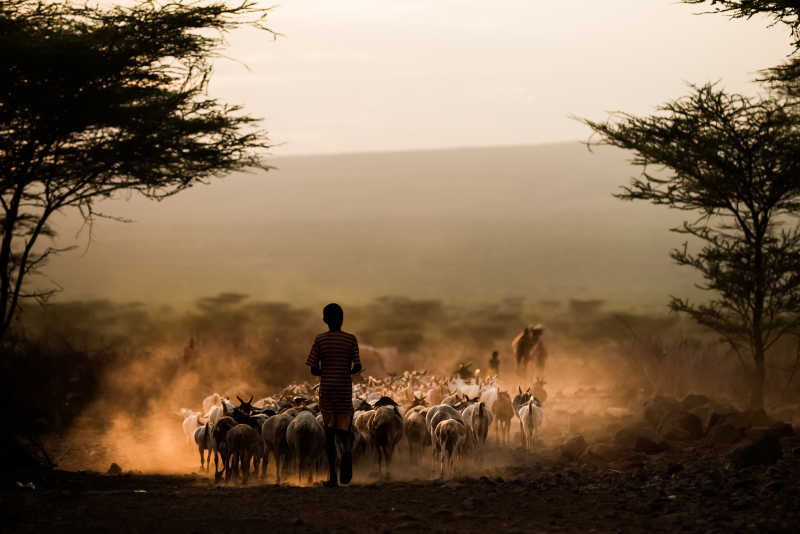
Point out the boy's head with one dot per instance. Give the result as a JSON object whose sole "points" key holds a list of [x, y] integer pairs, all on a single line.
{"points": [[333, 316]]}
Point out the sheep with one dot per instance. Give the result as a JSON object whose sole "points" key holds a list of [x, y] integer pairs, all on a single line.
{"points": [[504, 412], [273, 434], [478, 418], [306, 439], [205, 442], [451, 434], [385, 431], [243, 443], [415, 431], [531, 416]]}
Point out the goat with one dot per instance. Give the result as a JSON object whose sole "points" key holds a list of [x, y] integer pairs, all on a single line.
{"points": [[504, 412], [531, 416], [212, 400], [385, 431], [306, 439], [244, 444], [478, 418], [273, 434], [489, 397], [415, 431], [205, 442], [451, 434], [190, 423], [220, 433], [215, 414], [436, 415], [521, 399]]}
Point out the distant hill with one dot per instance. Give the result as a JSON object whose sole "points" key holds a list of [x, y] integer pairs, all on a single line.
{"points": [[457, 224]]}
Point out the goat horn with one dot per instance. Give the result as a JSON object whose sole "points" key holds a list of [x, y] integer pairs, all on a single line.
{"points": [[251, 399], [240, 399]]}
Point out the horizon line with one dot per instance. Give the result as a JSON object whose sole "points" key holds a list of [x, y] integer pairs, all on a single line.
{"points": [[369, 152]]}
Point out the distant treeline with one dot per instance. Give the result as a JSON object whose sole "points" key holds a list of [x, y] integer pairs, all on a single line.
{"points": [[66, 355]]}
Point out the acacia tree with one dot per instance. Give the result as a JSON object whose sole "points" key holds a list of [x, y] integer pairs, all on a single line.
{"points": [[734, 162], [94, 102], [786, 77]]}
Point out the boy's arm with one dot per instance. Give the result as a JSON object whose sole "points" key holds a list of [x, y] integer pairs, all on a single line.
{"points": [[356, 360], [313, 360]]}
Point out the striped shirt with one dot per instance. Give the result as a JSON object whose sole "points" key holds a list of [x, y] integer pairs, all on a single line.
{"points": [[335, 353]]}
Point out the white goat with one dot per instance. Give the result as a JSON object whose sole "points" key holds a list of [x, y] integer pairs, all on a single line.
{"points": [[435, 415], [205, 442], [478, 418], [190, 423], [451, 435], [306, 440], [531, 416], [212, 400]]}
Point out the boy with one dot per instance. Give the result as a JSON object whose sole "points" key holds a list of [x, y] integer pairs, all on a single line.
{"points": [[334, 357]]}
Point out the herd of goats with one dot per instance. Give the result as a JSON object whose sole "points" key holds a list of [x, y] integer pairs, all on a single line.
{"points": [[451, 416]]}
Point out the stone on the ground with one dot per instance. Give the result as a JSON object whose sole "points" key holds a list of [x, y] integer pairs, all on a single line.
{"points": [[603, 452], [114, 469], [656, 409], [712, 414], [640, 439], [779, 430], [574, 448], [693, 400], [681, 426], [764, 451], [725, 434]]}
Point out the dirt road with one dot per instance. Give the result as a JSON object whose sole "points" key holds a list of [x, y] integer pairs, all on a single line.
{"points": [[688, 490]]}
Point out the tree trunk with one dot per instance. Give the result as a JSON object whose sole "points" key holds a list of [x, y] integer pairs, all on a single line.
{"points": [[758, 378]]}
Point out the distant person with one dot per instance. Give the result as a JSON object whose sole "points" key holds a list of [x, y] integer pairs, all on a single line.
{"points": [[334, 358], [528, 344], [494, 363]]}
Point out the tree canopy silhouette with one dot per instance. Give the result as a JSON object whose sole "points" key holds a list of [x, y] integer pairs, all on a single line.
{"points": [[97, 101], [786, 77], [735, 162]]}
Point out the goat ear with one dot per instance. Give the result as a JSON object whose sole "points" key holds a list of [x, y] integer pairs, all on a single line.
{"points": [[520, 389]]}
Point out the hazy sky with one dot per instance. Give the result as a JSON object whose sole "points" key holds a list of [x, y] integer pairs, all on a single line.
{"points": [[363, 75]]}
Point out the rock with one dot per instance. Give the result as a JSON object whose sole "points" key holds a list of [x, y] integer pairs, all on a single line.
{"points": [[693, 400], [649, 446], [656, 409], [712, 414], [574, 448], [639, 438], [599, 453], [683, 426], [764, 451], [725, 434], [114, 470], [779, 430]]}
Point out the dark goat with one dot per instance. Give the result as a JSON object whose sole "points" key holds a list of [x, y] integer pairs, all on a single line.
{"points": [[245, 418], [384, 401], [220, 434], [243, 444], [246, 407]]}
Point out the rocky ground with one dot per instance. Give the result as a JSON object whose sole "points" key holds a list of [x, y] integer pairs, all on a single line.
{"points": [[692, 489], [693, 465]]}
